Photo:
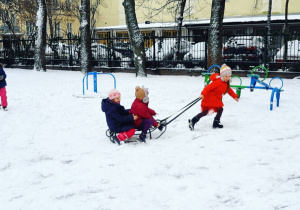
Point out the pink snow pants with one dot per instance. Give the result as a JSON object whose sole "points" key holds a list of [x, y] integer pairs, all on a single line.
{"points": [[3, 96]]}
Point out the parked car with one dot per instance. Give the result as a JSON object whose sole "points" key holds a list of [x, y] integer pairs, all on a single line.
{"points": [[61, 51], [124, 48], [103, 54], [196, 55], [241, 49], [293, 52], [292, 57], [164, 50]]}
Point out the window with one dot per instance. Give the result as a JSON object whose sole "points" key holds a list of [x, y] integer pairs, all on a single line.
{"points": [[234, 31], [169, 33], [68, 5], [29, 28], [57, 29], [121, 34], [69, 28]]}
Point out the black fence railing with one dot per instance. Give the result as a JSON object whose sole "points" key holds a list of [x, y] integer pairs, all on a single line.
{"points": [[239, 52]]}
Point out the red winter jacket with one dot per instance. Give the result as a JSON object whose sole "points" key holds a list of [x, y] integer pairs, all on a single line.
{"points": [[143, 111], [213, 93]]}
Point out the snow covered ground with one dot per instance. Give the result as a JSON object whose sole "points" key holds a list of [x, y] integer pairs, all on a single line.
{"points": [[55, 154]]}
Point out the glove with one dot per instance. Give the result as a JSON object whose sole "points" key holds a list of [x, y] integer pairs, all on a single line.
{"points": [[161, 127], [1, 77]]}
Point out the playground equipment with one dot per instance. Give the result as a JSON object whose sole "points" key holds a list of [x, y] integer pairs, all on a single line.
{"points": [[95, 80], [207, 74], [254, 80]]}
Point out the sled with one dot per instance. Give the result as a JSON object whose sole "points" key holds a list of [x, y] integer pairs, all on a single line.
{"points": [[163, 122]]}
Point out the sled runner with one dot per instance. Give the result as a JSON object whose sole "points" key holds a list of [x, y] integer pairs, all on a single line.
{"points": [[111, 134]]}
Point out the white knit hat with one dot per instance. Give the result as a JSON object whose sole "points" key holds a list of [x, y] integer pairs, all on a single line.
{"points": [[225, 70]]}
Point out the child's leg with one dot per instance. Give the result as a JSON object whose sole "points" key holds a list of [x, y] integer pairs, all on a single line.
{"points": [[3, 97], [198, 116], [145, 125], [216, 123], [126, 134], [219, 113], [196, 119]]}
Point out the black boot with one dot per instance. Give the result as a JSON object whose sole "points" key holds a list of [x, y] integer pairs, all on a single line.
{"points": [[192, 122], [142, 137], [217, 124]]}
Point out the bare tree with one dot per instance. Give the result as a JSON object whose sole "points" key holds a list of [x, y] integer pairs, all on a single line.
{"points": [[94, 11], [179, 27], [85, 50], [8, 14], [215, 33], [40, 40], [269, 38], [136, 38], [286, 31], [177, 8]]}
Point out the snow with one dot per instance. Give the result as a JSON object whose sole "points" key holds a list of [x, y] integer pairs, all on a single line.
{"points": [[55, 154]]}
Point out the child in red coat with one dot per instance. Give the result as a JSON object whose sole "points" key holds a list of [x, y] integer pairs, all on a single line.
{"points": [[212, 97], [140, 107]]}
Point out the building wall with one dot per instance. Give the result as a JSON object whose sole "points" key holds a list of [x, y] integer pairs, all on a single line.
{"points": [[202, 9], [111, 12]]}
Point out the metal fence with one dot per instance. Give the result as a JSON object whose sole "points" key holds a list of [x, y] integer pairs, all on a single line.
{"points": [[239, 52]]}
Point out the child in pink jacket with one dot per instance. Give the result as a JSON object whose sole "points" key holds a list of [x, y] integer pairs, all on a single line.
{"points": [[2, 88]]}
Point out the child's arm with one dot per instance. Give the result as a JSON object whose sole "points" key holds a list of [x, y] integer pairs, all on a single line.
{"points": [[152, 112], [143, 114], [233, 94], [2, 73], [124, 118]]}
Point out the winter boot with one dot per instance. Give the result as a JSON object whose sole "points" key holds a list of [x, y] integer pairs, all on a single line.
{"points": [[192, 122], [142, 137], [217, 124], [4, 108]]}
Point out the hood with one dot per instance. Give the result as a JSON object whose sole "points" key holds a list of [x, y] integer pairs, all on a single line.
{"points": [[105, 104], [214, 76]]}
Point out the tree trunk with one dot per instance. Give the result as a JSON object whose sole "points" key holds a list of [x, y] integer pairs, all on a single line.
{"points": [[215, 33], [85, 50], [51, 27], [136, 38], [40, 40], [269, 38], [179, 29], [286, 31]]}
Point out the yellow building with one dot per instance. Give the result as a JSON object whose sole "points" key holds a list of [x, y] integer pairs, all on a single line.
{"points": [[65, 15], [196, 17], [195, 10]]}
